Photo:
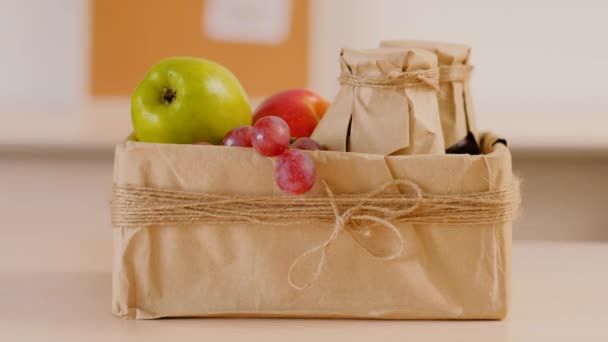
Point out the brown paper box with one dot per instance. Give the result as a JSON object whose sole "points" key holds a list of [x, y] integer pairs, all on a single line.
{"points": [[455, 102], [400, 120], [231, 270]]}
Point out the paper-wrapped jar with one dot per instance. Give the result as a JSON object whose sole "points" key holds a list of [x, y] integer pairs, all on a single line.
{"points": [[455, 101], [387, 104]]}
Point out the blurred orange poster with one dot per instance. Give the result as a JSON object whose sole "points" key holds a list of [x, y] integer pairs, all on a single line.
{"points": [[266, 47]]}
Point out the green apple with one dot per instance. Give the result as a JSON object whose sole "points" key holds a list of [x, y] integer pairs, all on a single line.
{"points": [[184, 100]]}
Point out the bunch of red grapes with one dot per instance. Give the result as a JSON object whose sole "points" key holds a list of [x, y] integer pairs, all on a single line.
{"points": [[270, 136]]}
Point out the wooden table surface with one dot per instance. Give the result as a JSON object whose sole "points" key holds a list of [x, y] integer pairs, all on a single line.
{"points": [[560, 293]]}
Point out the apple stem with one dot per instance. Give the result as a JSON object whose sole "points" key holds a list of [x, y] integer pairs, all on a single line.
{"points": [[169, 95]]}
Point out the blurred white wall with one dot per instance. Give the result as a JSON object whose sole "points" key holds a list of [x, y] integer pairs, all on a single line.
{"points": [[44, 46], [541, 65]]}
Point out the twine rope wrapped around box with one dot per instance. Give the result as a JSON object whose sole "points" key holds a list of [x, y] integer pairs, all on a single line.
{"points": [[138, 206]]}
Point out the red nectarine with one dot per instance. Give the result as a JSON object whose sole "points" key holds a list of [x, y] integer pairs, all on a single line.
{"points": [[300, 108]]}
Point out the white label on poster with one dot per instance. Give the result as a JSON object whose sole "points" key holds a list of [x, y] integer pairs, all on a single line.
{"points": [[248, 21]]}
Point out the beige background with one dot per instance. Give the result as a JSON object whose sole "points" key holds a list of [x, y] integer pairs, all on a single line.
{"points": [[539, 80], [538, 83]]}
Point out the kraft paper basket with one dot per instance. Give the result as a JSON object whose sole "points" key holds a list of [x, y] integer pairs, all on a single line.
{"points": [[203, 231]]}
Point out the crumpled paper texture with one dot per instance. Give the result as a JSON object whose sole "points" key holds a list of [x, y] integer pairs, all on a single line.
{"points": [[455, 101], [383, 121], [240, 270]]}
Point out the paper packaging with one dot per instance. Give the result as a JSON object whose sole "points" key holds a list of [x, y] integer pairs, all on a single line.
{"points": [[384, 120], [455, 102], [237, 270]]}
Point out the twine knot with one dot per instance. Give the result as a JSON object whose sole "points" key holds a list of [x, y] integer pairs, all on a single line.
{"points": [[340, 223], [349, 221]]}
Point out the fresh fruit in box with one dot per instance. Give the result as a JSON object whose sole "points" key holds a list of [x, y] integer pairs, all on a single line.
{"points": [[188, 100], [300, 108], [270, 136], [184, 100], [306, 144], [239, 137], [295, 172]]}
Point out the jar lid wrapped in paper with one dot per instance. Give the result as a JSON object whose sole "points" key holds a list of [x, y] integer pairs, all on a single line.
{"points": [[455, 103], [387, 104]]}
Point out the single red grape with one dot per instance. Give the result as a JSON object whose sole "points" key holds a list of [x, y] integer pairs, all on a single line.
{"points": [[270, 136], [239, 136], [306, 144], [295, 172]]}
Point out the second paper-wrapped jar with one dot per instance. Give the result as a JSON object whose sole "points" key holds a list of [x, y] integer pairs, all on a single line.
{"points": [[387, 104], [454, 96]]}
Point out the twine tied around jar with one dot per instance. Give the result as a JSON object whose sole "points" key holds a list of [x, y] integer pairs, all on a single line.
{"points": [[455, 73], [401, 79]]}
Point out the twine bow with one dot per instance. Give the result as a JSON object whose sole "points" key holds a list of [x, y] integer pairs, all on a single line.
{"points": [[347, 221]]}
